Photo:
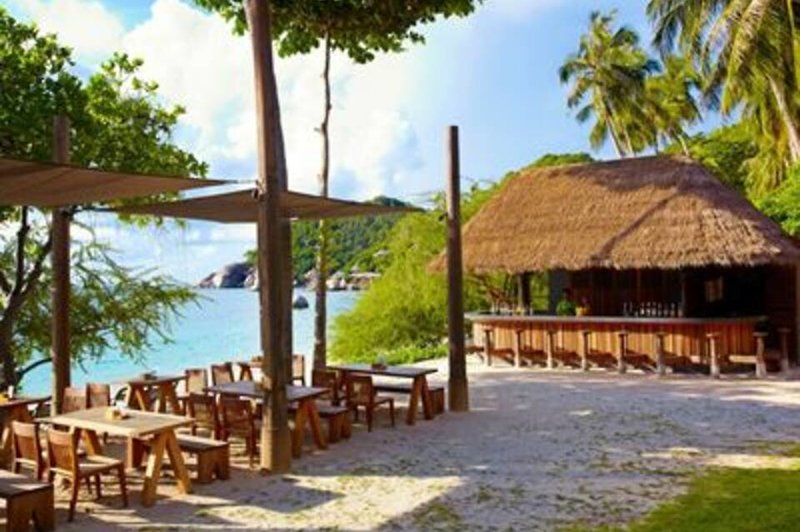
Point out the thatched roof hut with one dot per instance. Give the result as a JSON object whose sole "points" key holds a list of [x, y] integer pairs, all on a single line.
{"points": [[651, 212]]}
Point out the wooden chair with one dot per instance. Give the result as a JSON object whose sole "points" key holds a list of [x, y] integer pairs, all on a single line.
{"points": [[27, 502], [203, 410], [63, 460], [327, 378], [196, 382], [221, 373], [74, 399], [27, 448], [98, 395], [238, 420], [299, 369], [361, 393]]}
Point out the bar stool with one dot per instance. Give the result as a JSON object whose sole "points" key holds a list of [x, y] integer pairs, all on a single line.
{"points": [[622, 367], [518, 347], [550, 347], [714, 369], [586, 338], [661, 363], [487, 346], [761, 362], [784, 334]]}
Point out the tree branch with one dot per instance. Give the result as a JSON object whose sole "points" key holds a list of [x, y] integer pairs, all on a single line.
{"points": [[24, 371], [22, 238]]}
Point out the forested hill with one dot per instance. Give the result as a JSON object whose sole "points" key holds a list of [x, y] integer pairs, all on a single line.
{"points": [[354, 241]]}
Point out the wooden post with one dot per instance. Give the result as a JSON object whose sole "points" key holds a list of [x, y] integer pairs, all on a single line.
{"points": [[585, 335], [524, 291], [60, 292], [275, 435], [622, 367], [661, 366], [458, 386], [784, 333], [714, 370], [761, 363]]}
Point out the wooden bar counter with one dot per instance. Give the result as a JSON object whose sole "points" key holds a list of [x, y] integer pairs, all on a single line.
{"points": [[683, 337]]}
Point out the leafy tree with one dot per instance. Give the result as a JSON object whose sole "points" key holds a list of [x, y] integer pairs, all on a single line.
{"points": [[117, 124], [404, 313], [783, 203], [670, 100], [607, 76], [360, 29], [747, 50]]}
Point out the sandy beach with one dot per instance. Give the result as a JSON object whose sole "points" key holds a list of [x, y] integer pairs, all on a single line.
{"points": [[540, 450]]}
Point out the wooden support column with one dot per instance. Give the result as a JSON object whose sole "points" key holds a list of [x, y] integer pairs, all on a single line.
{"points": [[622, 366], [713, 348], [550, 347], [458, 386], [518, 347], [60, 292], [487, 346], [661, 366], [586, 338], [761, 363], [275, 434], [784, 333], [524, 291]]}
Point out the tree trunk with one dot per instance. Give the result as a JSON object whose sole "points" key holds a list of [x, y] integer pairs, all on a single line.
{"points": [[612, 128], [788, 119], [7, 354], [320, 290]]}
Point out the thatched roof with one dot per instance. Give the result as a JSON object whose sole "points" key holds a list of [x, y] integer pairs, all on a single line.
{"points": [[651, 212]]}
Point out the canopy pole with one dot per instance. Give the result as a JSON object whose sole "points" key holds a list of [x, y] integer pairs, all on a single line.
{"points": [[275, 435], [60, 292], [457, 383]]}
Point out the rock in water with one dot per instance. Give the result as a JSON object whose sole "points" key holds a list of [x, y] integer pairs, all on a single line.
{"points": [[231, 276], [300, 302]]}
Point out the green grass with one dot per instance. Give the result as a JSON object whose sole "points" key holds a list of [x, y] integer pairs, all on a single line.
{"points": [[731, 500]]}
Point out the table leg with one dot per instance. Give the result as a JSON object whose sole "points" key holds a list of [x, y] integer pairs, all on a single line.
{"points": [[92, 442], [153, 471], [427, 403], [178, 465], [172, 399], [298, 435], [413, 401], [316, 424], [138, 398], [134, 453]]}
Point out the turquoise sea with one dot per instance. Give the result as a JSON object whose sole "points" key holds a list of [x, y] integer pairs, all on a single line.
{"points": [[222, 326]]}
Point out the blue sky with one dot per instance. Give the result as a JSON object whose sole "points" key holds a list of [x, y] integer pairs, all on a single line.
{"points": [[493, 74]]}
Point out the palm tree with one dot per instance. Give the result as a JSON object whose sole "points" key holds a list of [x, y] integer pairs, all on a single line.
{"points": [[671, 102], [608, 74], [746, 48]]}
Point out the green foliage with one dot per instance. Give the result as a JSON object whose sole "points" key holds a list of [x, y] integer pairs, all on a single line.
{"points": [[359, 28], [118, 123], [404, 313], [783, 203], [731, 500], [558, 159]]}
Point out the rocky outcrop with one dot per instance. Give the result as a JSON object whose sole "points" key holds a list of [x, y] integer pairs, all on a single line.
{"points": [[231, 276]]}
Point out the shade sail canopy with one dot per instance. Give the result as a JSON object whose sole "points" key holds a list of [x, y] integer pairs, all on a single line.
{"points": [[652, 212], [242, 207], [39, 184]]}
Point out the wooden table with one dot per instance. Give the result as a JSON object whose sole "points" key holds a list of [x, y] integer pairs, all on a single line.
{"points": [[159, 429], [305, 414], [419, 387], [15, 410], [165, 385]]}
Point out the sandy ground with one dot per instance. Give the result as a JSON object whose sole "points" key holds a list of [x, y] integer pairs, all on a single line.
{"points": [[539, 451]]}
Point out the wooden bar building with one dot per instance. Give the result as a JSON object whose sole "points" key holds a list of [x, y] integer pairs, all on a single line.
{"points": [[672, 267]]}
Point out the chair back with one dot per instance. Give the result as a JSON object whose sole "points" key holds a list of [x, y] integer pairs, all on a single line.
{"points": [[98, 395], [203, 409], [196, 380], [359, 389], [299, 367], [237, 414], [74, 399], [26, 443], [326, 378], [221, 373], [62, 451]]}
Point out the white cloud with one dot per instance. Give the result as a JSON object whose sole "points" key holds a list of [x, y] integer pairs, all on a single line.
{"points": [[87, 26]]}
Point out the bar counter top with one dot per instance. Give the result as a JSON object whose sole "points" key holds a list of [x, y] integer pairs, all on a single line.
{"points": [[478, 317]]}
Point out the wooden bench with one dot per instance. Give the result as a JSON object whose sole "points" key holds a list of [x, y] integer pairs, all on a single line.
{"points": [[340, 424], [26, 501], [213, 457], [436, 392]]}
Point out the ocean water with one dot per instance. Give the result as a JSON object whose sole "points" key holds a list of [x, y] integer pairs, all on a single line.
{"points": [[222, 326]]}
